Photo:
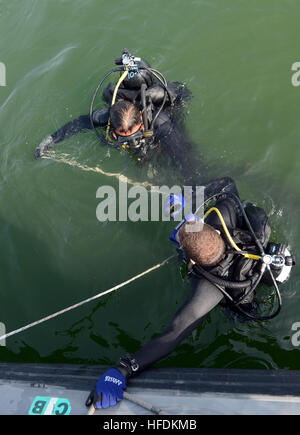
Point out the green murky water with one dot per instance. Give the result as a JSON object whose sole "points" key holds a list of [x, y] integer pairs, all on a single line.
{"points": [[236, 57]]}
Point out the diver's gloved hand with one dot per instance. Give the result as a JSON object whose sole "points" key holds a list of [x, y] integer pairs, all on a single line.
{"points": [[45, 145], [108, 391], [174, 205]]}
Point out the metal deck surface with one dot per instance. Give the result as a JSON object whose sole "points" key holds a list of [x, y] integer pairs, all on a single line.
{"points": [[58, 389]]}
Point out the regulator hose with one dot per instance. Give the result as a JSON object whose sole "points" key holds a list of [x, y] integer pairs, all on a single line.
{"points": [[143, 102], [256, 239], [236, 285], [93, 100], [219, 284], [261, 318]]}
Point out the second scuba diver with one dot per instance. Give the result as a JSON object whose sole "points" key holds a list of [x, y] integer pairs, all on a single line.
{"points": [[228, 256], [143, 117]]}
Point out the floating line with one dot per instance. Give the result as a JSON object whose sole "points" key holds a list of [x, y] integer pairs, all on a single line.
{"points": [[64, 158], [72, 307]]}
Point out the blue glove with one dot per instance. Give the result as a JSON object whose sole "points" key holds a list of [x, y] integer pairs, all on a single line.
{"points": [[108, 391], [174, 204]]}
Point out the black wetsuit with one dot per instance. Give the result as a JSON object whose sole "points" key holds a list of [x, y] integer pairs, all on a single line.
{"points": [[170, 138], [204, 295]]}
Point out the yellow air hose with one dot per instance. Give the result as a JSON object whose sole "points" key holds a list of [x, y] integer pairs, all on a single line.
{"points": [[123, 76], [251, 256]]}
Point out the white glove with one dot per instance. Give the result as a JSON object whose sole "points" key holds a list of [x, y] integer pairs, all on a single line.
{"points": [[45, 145]]}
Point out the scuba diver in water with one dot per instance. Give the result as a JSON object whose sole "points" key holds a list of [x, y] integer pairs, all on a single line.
{"points": [[143, 117], [227, 254]]}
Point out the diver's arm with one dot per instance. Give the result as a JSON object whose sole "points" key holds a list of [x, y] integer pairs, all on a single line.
{"points": [[203, 298], [109, 389], [83, 122], [71, 128]]}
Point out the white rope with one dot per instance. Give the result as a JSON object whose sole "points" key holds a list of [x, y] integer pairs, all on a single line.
{"points": [[71, 161], [72, 307]]}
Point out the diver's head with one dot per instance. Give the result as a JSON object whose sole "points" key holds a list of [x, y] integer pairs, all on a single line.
{"points": [[205, 247], [125, 119]]}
